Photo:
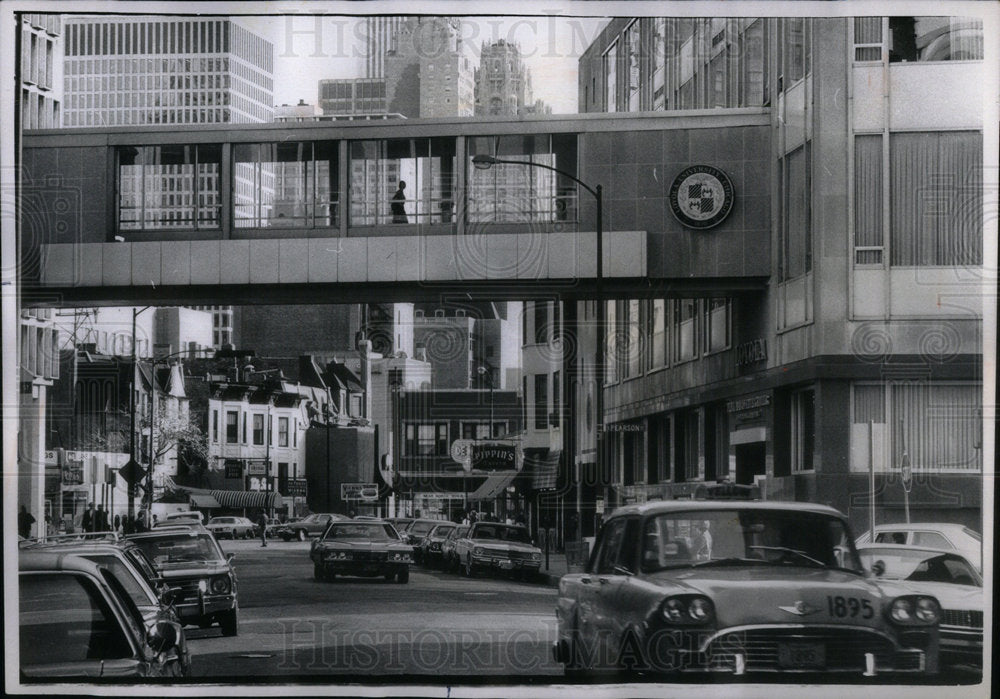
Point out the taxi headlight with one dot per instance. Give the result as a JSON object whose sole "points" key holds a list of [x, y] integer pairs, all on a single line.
{"points": [[700, 609], [927, 610], [673, 610], [220, 584], [688, 609], [901, 610]]}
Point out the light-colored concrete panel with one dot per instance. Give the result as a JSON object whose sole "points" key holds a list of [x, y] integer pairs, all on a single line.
{"points": [[625, 254], [561, 255], [175, 262], [933, 292], [382, 259], [323, 256], [352, 264], [586, 254], [956, 102], [206, 261], [146, 264], [869, 293], [438, 257], [409, 260], [59, 265], [501, 256], [264, 261], [91, 263], [116, 269], [293, 261], [471, 255], [869, 86], [532, 255], [234, 262]]}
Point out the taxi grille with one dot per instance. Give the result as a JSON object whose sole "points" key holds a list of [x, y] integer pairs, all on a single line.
{"points": [[370, 556], [187, 590], [841, 649], [962, 617]]}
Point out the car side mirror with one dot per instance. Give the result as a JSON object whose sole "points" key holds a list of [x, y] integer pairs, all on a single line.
{"points": [[163, 635]]}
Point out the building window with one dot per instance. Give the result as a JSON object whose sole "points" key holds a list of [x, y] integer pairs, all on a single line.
{"points": [[285, 185], [426, 165], [541, 318], [169, 187], [611, 341], [938, 425], [633, 57], [611, 78], [633, 346], [867, 38], [510, 192], [658, 56], [282, 431], [717, 323], [868, 202], [796, 207], [258, 429], [541, 401], [935, 39], [936, 198], [657, 334], [803, 429], [232, 427], [430, 439], [684, 335], [215, 426]]}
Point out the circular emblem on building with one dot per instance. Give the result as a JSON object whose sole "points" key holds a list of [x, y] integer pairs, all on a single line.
{"points": [[701, 196]]}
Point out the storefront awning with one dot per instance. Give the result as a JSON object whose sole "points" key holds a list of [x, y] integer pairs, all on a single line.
{"points": [[493, 486], [204, 501], [543, 466], [247, 498]]}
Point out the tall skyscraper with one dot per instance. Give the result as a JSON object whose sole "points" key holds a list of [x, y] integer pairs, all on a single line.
{"points": [[123, 70], [380, 33], [503, 82], [40, 71], [429, 71]]}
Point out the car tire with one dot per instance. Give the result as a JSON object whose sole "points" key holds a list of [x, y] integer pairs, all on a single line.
{"points": [[229, 623], [301, 535], [403, 577]]}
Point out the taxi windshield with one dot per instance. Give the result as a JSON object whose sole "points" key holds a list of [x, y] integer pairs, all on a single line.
{"points": [[747, 537], [184, 548]]}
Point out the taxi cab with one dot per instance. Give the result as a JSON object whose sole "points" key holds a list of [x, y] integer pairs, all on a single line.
{"points": [[738, 588]]}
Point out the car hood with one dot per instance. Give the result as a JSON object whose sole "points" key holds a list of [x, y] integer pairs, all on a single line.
{"points": [[186, 570], [772, 594], [505, 546]]}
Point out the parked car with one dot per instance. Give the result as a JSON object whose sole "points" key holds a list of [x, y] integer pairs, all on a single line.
{"points": [[935, 535], [77, 622], [416, 531], [151, 596], [428, 551], [950, 578], [232, 527], [203, 580], [500, 547], [449, 561], [183, 517], [738, 588], [313, 525], [400, 523], [365, 549]]}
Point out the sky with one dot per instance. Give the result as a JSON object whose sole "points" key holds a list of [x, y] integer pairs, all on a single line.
{"points": [[310, 48]]}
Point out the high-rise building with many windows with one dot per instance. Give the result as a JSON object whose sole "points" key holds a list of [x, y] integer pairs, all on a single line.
{"points": [[157, 70], [40, 71], [380, 37]]}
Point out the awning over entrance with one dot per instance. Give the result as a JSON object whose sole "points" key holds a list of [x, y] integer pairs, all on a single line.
{"points": [[543, 467], [247, 498], [204, 501], [493, 486]]}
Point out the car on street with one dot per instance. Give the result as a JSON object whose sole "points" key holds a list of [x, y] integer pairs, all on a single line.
{"points": [[77, 621], [310, 526], [936, 535], [950, 578], [492, 546], [416, 531], [738, 588], [232, 527], [202, 578], [428, 551], [400, 523], [363, 549], [449, 561]]}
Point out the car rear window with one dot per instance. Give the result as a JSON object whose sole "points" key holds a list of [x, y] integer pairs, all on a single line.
{"points": [[374, 531], [65, 619]]}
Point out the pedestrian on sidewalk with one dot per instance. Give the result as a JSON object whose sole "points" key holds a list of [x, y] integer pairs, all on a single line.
{"points": [[24, 521], [263, 529]]}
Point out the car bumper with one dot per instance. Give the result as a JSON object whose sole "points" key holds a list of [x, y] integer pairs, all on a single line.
{"points": [[205, 606], [364, 569], [962, 644], [500, 563]]}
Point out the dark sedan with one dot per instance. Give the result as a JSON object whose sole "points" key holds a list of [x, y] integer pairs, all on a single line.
{"points": [[363, 549]]}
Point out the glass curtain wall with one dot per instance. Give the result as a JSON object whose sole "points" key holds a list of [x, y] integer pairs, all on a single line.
{"points": [[169, 187], [285, 185]]}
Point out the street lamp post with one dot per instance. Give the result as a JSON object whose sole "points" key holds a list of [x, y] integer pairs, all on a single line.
{"points": [[131, 405], [484, 162]]}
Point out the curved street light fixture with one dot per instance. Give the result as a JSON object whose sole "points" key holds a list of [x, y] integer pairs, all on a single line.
{"points": [[483, 161]]}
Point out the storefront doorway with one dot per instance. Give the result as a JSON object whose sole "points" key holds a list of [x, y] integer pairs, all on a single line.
{"points": [[750, 461]]}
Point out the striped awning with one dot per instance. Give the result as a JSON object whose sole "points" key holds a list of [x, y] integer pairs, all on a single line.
{"points": [[543, 465], [493, 486], [247, 498], [204, 501]]}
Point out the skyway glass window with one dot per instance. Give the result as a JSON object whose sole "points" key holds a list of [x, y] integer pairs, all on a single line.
{"points": [[285, 185], [511, 192], [935, 39], [169, 187], [426, 165]]}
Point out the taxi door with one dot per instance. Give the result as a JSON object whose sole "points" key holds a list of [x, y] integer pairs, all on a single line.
{"points": [[598, 597]]}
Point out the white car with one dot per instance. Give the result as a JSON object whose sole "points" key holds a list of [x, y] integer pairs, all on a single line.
{"points": [[232, 527], [933, 535], [947, 576]]}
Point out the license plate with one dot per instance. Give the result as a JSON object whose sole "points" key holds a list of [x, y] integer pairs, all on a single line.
{"points": [[505, 564], [801, 655]]}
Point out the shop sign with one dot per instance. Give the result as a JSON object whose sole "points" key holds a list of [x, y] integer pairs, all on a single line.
{"points": [[295, 487], [749, 403], [358, 491], [234, 468], [256, 468], [72, 470], [599, 506], [751, 352], [494, 456], [701, 196]]}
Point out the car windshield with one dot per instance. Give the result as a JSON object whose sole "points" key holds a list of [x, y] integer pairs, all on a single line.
{"points": [[365, 531], [173, 548], [920, 566], [420, 527], [746, 537], [443, 530], [502, 532]]}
